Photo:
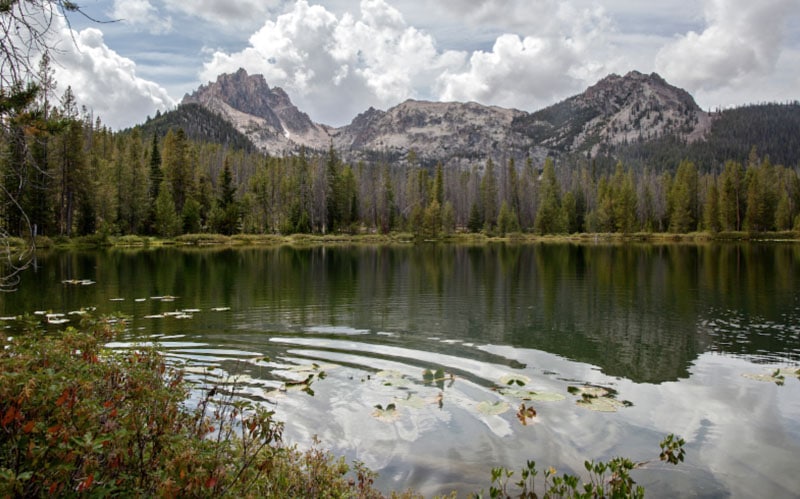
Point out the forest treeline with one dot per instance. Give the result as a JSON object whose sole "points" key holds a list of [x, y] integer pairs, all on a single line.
{"points": [[71, 175]]}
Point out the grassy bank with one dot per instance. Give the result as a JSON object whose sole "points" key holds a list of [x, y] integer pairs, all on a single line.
{"points": [[396, 238]]}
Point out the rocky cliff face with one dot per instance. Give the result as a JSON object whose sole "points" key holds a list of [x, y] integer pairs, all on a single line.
{"points": [[437, 131], [615, 110], [266, 116]]}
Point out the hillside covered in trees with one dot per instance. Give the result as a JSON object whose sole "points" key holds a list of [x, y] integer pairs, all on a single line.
{"points": [[189, 171]]}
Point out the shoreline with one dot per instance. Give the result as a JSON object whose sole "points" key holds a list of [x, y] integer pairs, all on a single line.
{"points": [[397, 238]]}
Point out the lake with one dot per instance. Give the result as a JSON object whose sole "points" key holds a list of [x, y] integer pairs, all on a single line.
{"points": [[455, 337]]}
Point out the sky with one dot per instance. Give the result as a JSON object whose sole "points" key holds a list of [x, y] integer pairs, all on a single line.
{"points": [[336, 58]]}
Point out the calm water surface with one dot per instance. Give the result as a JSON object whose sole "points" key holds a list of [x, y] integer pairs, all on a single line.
{"points": [[670, 329]]}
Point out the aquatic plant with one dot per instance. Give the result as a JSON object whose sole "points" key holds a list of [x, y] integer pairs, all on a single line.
{"points": [[604, 479]]}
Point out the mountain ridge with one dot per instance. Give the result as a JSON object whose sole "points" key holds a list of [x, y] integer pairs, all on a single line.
{"points": [[625, 111]]}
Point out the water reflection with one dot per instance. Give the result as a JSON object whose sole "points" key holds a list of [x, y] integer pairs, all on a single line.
{"points": [[671, 328], [640, 312]]}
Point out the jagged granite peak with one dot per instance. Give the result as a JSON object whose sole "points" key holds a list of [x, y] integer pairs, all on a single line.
{"points": [[615, 110], [266, 115]]}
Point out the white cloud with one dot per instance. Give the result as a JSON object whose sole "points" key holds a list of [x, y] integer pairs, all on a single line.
{"points": [[533, 71], [231, 13], [141, 14], [742, 40], [335, 67], [104, 81]]}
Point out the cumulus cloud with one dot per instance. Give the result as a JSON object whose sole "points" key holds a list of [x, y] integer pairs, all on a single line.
{"points": [[141, 14], [742, 40], [535, 70], [335, 66], [104, 81]]}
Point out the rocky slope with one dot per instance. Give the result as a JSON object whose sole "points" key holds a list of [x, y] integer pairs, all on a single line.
{"points": [[265, 115], [618, 109]]}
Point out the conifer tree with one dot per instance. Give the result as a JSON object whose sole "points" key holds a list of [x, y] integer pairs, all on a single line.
{"points": [[549, 217]]}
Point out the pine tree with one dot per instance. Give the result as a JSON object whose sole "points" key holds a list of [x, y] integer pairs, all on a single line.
{"points": [[711, 212], [168, 224], [155, 177], [226, 218], [489, 196], [475, 221], [549, 217], [732, 196], [683, 196]]}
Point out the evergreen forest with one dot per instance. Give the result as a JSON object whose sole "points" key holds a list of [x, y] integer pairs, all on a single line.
{"points": [[66, 174]]}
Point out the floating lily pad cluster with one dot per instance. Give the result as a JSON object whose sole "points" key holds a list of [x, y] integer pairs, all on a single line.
{"points": [[777, 376], [430, 378], [597, 398], [312, 373], [514, 386], [186, 313]]}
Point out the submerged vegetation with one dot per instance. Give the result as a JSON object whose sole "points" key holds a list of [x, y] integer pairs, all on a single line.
{"points": [[79, 418]]}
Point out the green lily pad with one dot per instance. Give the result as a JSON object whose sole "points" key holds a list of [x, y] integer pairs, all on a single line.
{"points": [[514, 379], [522, 394], [493, 408], [600, 404], [387, 415]]}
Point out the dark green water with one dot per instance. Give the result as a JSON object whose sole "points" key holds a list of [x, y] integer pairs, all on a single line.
{"points": [[672, 329]]}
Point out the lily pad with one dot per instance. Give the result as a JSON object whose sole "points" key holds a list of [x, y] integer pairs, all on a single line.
{"points": [[514, 379], [600, 404], [387, 415], [522, 394], [493, 408]]}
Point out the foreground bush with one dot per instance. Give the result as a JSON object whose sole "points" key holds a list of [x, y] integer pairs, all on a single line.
{"points": [[75, 418]]}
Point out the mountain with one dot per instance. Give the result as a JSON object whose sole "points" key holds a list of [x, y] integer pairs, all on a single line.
{"points": [[618, 109], [437, 131], [265, 116], [636, 117]]}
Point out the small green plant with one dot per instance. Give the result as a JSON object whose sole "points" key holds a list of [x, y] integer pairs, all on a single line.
{"points": [[605, 479]]}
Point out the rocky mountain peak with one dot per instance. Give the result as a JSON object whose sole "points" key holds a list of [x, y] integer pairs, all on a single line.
{"points": [[266, 115], [617, 109]]}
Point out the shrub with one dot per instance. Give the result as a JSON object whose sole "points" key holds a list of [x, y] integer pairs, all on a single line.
{"points": [[75, 418]]}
